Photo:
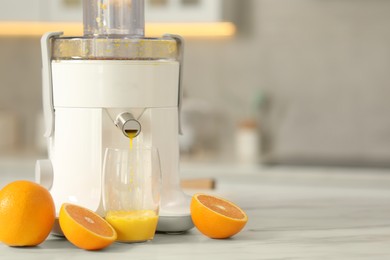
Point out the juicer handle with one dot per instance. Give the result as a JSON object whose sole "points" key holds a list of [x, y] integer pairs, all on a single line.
{"points": [[180, 46], [47, 83]]}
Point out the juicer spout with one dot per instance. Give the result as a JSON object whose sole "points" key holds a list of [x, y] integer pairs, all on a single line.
{"points": [[129, 126]]}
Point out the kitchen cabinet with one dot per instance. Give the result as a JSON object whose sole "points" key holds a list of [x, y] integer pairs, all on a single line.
{"points": [[41, 10], [62, 10], [20, 10], [183, 10], [71, 10]]}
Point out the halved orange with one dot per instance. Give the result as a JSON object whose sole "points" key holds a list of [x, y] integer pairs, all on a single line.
{"points": [[216, 217], [84, 228]]}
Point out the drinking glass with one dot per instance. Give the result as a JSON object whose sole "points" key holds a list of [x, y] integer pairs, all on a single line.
{"points": [[131, 192]]}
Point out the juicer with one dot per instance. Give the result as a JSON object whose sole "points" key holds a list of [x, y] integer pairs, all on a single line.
{"points": [[100, 88]]}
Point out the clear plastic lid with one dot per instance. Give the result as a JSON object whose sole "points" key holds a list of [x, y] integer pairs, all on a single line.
{"points": [[116, 18]]}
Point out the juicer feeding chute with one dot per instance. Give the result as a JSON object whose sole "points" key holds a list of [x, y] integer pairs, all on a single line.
{"points": [[113, 17], [102, 86]]}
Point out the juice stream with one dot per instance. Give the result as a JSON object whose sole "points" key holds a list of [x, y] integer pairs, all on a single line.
{"points": [[131, 134]]}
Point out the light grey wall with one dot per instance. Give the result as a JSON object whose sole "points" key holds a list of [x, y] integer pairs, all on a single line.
{"points": [[328, 62], [20, 86]]}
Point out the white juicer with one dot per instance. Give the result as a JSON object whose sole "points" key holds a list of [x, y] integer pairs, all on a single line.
{"points": [[98, 88]]}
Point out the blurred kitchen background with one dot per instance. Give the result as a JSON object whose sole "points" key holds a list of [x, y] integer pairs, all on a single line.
{"points": [[303, 82]]}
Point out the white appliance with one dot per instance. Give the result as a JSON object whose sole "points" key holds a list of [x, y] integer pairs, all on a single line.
{"points": [[98, 88]]}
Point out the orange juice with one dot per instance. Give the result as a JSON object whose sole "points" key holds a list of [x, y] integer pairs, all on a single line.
{"points": [[133, 226]]}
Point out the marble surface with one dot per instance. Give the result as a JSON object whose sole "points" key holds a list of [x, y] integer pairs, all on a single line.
{"points": [[294, 213]]}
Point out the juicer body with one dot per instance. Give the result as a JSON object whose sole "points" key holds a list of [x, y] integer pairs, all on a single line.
{"points": [[86, 96]]}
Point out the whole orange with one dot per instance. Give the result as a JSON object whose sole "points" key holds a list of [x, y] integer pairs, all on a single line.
{"points": [[27, 214], [216, 217]]}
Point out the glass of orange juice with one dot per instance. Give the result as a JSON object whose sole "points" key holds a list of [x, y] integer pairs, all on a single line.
{"points": [[131, 192]]}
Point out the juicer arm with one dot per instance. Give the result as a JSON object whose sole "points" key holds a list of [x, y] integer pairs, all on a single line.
{"points": [[47, 84], [180, 46]]}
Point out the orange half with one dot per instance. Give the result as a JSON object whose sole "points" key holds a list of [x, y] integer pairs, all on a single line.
{"points": [[216, 217], [84, 228]]}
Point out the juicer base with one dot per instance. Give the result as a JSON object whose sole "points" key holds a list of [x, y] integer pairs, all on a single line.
{"points": [[56, 229], [174, 224]]}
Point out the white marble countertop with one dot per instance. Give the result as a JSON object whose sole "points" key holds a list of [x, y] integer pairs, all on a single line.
{"points": [[294, 213]]}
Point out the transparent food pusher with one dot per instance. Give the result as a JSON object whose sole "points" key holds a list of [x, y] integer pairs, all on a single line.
{"points": [[98, 89]]}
